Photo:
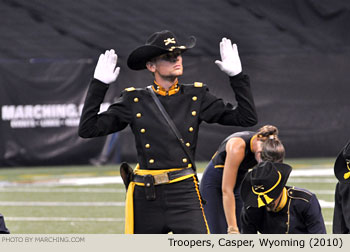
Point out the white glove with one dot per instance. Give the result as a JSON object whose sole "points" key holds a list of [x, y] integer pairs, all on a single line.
{"points": [[106, 70], [230, 62]]}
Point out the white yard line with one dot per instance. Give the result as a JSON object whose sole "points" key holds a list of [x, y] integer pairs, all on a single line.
{"points": [[323, 203], [9, 218], [92, 181], [59, 203], [326, 204], [312, 180], [324, 192], [61, 190], [118, 180], [102, 190], [312, 172]]}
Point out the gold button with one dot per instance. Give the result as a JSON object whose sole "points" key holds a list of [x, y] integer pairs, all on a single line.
{"points": [[190, 129], [148, 146], [194, 113], [184, 160], [188, 144], [151, 161], [142, 130], [136, 99], [138, 115], [194, 98]]}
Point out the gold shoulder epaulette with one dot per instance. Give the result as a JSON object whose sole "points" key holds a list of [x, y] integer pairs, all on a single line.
{"points": [[297, 193], [130, 89], [198, 84]]}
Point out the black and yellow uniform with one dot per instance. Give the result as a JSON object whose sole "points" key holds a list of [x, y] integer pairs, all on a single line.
{"points": [[299, 213], [177, 206], [211, 183]]}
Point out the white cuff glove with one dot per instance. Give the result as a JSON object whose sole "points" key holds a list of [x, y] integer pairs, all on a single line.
{"points": [[230, 62], [106, 70]]}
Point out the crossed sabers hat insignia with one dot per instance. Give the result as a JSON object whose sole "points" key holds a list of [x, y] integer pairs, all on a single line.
{"points": [[169, 41], [261, 195]]}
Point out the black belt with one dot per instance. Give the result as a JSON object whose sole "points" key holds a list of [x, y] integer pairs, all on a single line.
{"points": [[165, 177]]}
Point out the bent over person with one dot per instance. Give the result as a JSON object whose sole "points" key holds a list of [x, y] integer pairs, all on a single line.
{"points": [[221, 180], [341, 216], [271, 207], [163, 194]]}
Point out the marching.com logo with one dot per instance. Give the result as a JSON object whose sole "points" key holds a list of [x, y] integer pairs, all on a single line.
{"points": [[44, 115]]}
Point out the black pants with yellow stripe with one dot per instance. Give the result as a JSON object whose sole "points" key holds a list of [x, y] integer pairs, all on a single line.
{"points": [[177, 209]]}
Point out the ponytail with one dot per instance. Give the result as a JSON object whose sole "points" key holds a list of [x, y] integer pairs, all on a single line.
{"points": [[272, 147]]}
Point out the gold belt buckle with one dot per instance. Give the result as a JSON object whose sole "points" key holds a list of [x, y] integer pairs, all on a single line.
{"points": [[161, 178]]}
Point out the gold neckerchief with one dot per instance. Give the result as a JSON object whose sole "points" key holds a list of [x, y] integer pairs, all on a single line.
{"points": [[161, 91]]}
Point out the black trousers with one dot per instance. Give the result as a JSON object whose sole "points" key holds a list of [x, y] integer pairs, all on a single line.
{"points": [[210, 188], [177, 209], [341, 217]]}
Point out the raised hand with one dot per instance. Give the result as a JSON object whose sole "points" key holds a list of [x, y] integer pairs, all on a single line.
{"points": [[106, 70], [230, 62]]}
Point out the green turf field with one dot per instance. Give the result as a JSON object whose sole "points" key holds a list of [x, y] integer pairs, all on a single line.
{"points": [[46, 200]]}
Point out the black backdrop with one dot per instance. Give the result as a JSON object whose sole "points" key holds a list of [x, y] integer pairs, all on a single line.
{"points": [[295, 51]]}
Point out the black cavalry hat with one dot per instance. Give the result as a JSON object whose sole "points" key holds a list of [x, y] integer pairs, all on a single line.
{"points": [[342, 165], [157, 44], [264, 183]]}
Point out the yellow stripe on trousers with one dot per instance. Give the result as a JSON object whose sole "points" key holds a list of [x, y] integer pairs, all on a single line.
{"points": [[200, 202]]}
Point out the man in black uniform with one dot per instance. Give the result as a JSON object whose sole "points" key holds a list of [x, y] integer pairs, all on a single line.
{"points": [[341, 217], [163, 195], [270, 207]]}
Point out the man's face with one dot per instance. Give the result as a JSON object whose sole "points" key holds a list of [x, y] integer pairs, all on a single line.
{"points": [[167, 65]]}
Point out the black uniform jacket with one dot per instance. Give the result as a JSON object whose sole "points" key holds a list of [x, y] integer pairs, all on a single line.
{"points": [[157, 146], [301, 215]]}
